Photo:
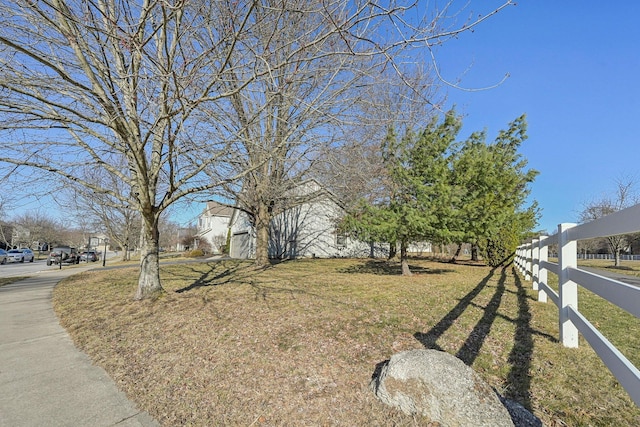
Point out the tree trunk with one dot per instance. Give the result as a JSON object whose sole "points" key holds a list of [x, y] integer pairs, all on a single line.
{"points": [[474, 252], [392, 250], [125, 249], [262, 222], [404, 262], [616, 258], [149, 279], [457, 254]]}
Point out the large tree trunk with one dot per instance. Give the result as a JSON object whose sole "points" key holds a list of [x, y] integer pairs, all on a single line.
{"points": [[457, 254], [262, 222], [616, 258], [149, 279], [392, 250], [474, 252], [404, 261]]}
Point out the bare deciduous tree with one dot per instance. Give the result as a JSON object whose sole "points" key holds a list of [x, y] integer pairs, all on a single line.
{"points": [[41, 228], [87, 83], [196, 94], [101, 211], [304, 78], [624, 197]]}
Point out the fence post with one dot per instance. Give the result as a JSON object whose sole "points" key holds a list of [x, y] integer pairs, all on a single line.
{"points": [[527, 262], [543, 253], [568, 289], [535, 263]]}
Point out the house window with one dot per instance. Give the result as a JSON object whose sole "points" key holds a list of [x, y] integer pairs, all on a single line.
{"points": [[341, 240]]}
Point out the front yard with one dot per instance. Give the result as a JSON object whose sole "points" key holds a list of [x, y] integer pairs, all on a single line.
{"points": [[296, 344]]}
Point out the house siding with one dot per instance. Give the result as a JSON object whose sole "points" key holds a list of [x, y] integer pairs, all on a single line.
{"points": [[306, 231]]}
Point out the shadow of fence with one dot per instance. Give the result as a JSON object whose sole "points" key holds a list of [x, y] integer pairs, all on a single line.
{"points": [[518, 381]]}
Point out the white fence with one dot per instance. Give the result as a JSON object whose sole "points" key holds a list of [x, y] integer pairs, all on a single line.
{"points": [[531, 260]]}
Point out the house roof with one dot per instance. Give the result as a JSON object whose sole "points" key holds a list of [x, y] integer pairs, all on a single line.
{"points": [[218, 209]]}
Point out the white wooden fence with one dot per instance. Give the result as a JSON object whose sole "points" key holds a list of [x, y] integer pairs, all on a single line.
{"points": [[531, 260]]}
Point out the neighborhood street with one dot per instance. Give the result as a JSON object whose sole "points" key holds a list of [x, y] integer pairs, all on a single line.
{"points": [[625, 278], [40, 266], [24, 269]]}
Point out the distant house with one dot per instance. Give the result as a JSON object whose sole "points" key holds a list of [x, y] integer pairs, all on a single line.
{"points": [[20, 237], [214, 223], [306, 230]]}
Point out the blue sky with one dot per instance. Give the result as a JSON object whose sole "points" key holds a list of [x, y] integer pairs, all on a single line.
{"points": [[574, 69]]}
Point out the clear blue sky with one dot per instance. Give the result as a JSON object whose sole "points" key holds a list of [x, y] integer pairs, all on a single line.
{"points": [[574, 68]]}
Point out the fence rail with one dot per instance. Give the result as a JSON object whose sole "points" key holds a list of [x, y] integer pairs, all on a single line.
{"points": [[531, 260]]}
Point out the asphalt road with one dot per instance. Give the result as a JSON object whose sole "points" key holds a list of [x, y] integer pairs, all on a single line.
{"points": [[40, 266], [625, 278], [23, 269]]}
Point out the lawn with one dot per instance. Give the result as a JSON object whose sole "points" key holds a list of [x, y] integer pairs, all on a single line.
{"points": [[296, 344]]}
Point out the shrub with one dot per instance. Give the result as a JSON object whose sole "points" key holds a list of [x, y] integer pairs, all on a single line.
{"points": [[500, 248], [195, 253]]}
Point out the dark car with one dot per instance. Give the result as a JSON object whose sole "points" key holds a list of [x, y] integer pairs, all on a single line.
{"points": [[89, 256], [63, 254], [3, 256]]}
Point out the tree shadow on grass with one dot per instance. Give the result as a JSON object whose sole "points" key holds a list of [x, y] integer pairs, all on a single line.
{"points": [[518, 380], [384, 267], [241, 273], [217, 274], [429, 338]]}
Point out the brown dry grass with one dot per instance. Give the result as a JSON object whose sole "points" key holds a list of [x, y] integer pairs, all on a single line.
{"points": [[296, 344], [8, 280]]}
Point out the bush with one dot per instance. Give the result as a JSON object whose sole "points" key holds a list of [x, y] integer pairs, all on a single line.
{"points": [[195, 253], [500, 247]]}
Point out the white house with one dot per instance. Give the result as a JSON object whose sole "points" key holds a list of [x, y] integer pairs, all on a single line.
{"points": [[213, 224], [306, 230]]}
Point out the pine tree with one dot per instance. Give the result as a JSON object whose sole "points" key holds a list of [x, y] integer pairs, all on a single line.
{"points": [[418, 207], [491, 185]]}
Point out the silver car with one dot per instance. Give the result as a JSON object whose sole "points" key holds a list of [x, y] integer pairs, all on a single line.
{"points": [[20, 255]]}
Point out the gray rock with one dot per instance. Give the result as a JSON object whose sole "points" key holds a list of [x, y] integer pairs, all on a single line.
{"points": [[441, 387]]}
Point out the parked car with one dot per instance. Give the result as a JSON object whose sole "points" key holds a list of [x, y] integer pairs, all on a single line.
{"points": [[3, 256], [20, 255], [64, 254], [89, 255]]}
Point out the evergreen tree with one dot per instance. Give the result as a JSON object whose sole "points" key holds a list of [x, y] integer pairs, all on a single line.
{"points": [[491, 183], [419, 203]]}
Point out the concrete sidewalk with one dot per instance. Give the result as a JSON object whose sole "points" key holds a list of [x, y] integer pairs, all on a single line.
{"points": [[44, 379]]}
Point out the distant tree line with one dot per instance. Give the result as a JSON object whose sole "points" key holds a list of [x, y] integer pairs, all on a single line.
{"points": [[39, 231], [622, 197]]}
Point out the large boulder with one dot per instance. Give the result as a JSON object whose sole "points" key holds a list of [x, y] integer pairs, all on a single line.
{"points": [[441, 387]]}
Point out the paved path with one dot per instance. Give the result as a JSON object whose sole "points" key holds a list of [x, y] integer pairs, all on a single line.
{"points": [[44, 379], [625, 278]]}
